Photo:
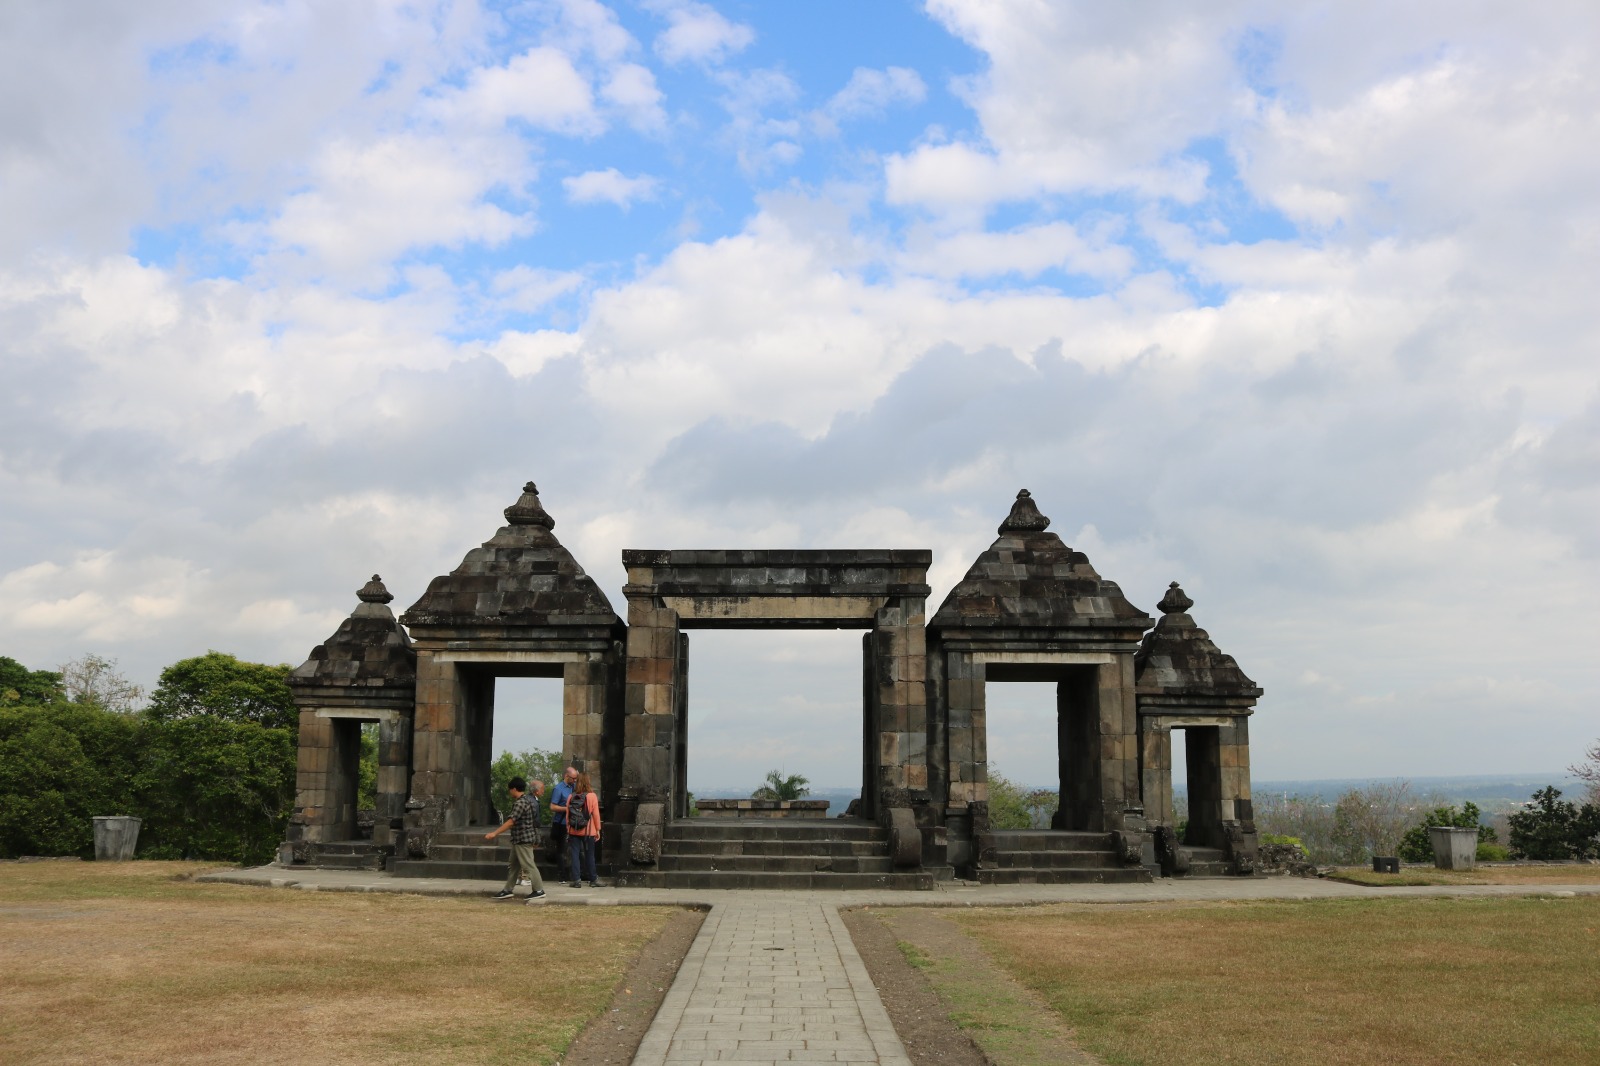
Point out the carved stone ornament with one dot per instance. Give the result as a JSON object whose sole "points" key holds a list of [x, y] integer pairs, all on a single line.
{"points": [[1024, 516], [528, 511], [374, 592], [1174, 602]]}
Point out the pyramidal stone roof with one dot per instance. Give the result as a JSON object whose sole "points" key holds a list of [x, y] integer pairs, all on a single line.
{"points": [[1178, 658], [369, 650], [521, 576], [1029, 579]]}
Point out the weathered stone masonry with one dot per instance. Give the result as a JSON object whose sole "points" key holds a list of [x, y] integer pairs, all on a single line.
{"points": [[1030, 609]]}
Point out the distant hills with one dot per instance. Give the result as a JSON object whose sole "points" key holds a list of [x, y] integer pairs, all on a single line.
{"points": [[1491, 792]]}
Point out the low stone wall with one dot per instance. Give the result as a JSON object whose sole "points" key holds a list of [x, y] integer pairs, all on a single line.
{"points": [[753, 808]]}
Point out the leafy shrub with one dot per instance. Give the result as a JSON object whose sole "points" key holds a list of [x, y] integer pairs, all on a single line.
{"points": [[1493, 852], [1551, 828], [535, 764]]}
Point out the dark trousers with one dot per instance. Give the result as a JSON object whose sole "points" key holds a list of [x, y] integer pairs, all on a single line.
{"points": [[558, 840], [582, 858]]}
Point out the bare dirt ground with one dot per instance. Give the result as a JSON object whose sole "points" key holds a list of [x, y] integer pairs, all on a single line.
{"points": [[614, 1036]]}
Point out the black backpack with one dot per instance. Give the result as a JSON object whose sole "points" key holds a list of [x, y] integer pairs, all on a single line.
{"points": [[578, 811]]}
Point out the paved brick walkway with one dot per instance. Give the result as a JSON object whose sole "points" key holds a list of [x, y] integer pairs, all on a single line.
{"points": [[772, 981]]}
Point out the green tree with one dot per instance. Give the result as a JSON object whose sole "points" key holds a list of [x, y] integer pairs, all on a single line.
{"points": [[1417, 844], [535, 764], [60, 765], [18, 684], [210, 788], [1551, 828], [367, 768], [1008, 803], [221, 686], [779, 787]]}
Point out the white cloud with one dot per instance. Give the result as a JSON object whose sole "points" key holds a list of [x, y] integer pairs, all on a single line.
{"points": [[697, 33], [372, 201], [540, 87], [609, 186], [632, 89], [872, 92]]}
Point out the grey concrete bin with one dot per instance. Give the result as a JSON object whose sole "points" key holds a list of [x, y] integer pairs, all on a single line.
{"points": [[1453, 848], [115, 837]]}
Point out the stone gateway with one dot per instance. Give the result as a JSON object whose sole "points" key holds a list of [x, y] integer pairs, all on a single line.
{"points": [[1030, 609]]}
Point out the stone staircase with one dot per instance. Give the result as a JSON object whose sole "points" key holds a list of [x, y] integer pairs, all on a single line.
{"points": [[842, 853], [464, 854], [1053, 857], [347, 855], [1207, 862]]}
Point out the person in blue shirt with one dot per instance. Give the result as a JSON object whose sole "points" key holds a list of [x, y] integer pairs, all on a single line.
{"points": [[558, 819]]}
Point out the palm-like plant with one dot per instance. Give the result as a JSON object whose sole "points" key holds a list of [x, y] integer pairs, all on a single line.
{"points": [[779, 787]]}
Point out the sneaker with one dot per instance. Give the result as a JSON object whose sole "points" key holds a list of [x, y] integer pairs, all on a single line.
{"points": [[504, 893], [577, 884], [594, 884], [537, 895]]}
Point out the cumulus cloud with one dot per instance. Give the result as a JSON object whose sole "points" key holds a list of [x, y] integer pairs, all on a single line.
{"points": [[872, 92], [697, 33], [540, 87], [609, 186]]}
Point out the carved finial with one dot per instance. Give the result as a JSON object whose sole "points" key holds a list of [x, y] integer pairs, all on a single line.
{"points": [[374, 592], [1024, 516], [1174, 602], [528, 511]]}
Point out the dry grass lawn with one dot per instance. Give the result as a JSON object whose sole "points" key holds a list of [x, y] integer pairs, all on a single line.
{"points": [[121, 963], [1429, 982], [1566, 874]]}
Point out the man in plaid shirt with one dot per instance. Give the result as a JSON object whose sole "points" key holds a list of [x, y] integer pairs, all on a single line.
{"points": [[524, 826]]}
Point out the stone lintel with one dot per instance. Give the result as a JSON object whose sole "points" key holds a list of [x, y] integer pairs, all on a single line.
{"points": [[760, 557], [1166, 706], [986, 641], [778, 608], [388, 716], [547, 657], [1179, 721], [1089, 658], [583, 639], [397, 698]]}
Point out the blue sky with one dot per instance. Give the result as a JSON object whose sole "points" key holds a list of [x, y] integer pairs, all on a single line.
{"points": [[1293, 306]]}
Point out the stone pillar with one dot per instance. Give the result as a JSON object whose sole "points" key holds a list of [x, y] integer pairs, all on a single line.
{"points": [[966, 730], [438, 747], [651, 703], [680, 741], [583, 709], [394, 775], [315, 806], [1118, 728], [901, 668], [1233, 756], [1156, 770]]}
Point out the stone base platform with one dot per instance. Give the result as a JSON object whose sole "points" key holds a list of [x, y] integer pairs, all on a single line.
{"points": [[757, 808], [781, 853], [463, 854], [1053, 857]]}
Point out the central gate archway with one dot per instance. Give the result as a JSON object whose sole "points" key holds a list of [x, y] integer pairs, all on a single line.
{"points": [[882, 591]]}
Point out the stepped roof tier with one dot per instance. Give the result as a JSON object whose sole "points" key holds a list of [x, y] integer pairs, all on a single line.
{"points": [[369, 657], [1178, 661], [1029, 579], [520, 577]]}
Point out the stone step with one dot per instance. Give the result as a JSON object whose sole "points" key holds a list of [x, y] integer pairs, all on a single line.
{"points": [[1094, 860], [1210, 869], [348, 847], [778, 848], [773, 829], [1127, 875], [880, 864], [479, 852], [347, 861], [1050, 840], [917, 880]]}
